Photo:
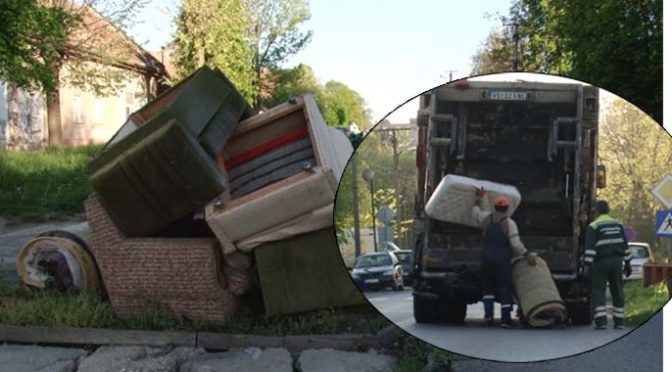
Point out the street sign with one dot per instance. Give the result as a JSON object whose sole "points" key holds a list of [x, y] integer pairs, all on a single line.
{"points": [[664, 223], [663, 191], [385, 214], [629, 233]]}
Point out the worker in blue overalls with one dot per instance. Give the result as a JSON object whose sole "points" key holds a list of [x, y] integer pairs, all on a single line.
{"points": [[501, 245]]}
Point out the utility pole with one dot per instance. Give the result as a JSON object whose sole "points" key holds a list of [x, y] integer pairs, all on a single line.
{"points": [[355, 204], [516, 46], [367, 175], [392, 129], [397, 191], [450, 75]]}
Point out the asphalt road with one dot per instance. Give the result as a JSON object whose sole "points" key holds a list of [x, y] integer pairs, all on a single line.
{"points": [[473, 339]]}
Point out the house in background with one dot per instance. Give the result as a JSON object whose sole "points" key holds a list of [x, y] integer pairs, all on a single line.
{"points": [[85, 117]]}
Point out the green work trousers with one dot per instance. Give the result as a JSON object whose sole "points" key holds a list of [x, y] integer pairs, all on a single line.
{"points": [[608, 269]]}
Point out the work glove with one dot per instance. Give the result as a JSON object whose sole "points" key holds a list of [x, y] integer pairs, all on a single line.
{"points": [[531, 259], [627, 270], [585, 271]]}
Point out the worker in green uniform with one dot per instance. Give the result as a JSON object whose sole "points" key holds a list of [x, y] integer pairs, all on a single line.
{"points": [[607, 257]]}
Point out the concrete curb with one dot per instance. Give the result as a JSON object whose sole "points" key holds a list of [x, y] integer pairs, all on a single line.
{"points": [[206, 340], [93, 336]]}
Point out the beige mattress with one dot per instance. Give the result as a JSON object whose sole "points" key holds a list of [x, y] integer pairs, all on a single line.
{"points": [[454, 198]]}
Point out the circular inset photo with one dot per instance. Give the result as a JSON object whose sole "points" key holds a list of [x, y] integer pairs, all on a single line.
{"points": [[518, 217]]}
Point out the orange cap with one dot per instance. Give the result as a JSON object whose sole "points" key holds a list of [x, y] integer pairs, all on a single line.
{"points": [[501, 201]]}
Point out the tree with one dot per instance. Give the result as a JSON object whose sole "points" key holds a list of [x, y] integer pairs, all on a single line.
{"points": [[24, 23], [47, 34], [291, 82], [218, 42], [375, 152], [635, 163], [342, 106], [613, 44], [339, 104], [496, 54], [274, 34]]}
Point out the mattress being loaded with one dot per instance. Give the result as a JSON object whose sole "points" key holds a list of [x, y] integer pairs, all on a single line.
{"points": [[454, 198], [537, 294]]}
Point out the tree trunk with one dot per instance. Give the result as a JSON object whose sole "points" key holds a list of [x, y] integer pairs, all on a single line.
{"points": [[54, 135], [258, 89], [54, 117]]}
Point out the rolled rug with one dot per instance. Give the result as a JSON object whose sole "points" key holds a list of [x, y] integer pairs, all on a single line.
{"points": [[60, 260], [538, 296]]}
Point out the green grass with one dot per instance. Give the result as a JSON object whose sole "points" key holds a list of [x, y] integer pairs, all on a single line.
{"points": [[414, 354], [327, 321], [44, 309], [25, 308], [642, 303], [46, 184]]}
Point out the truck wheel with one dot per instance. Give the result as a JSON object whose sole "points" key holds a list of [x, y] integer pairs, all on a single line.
{"points": [[424, 310], [580, 312], [453, 310]]}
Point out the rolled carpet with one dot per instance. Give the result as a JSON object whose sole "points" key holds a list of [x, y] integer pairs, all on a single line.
{"points": [[59, 259], [538, 296]]}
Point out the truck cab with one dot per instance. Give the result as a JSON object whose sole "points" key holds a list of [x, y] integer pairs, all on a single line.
{"points": [[537, 136]]}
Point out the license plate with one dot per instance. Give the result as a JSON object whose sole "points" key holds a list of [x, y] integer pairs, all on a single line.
{"points": [[369, 281], [499, 95]]}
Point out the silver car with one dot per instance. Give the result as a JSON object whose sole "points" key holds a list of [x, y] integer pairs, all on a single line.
{"points": [[641, 253]]}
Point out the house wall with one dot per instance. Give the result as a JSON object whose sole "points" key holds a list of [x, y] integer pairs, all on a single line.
{"points": [[22, 118], [87, 118]]}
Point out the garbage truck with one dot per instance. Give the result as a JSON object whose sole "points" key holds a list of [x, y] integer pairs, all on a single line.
{"points": [[540, 137]]}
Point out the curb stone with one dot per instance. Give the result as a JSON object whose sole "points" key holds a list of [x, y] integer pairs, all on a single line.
{"points": [[205, 340]]}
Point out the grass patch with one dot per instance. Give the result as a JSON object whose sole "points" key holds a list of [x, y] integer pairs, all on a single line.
{"points": [[22, 307], [414, 355], [328, 321], [642, 303], [46, 184], [46, 309]]}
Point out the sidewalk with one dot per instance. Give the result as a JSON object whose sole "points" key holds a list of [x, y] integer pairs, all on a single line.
{"points": [[21, 358]]}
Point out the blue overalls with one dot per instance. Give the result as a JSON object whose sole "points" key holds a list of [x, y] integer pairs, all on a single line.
{"points": [[496, 265]]}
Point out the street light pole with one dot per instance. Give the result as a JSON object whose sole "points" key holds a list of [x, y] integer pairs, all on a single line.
{"points": [[367, 175], [355, 205]]}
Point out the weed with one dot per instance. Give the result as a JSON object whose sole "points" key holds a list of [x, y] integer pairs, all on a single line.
{"points": [[642, 303], [416, 355]]}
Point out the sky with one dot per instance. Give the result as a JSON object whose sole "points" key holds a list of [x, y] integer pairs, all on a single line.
{"points": [[387, 51]]}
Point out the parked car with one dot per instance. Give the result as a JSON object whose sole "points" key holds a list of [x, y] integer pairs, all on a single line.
{"points": [[641, 253], [378, 270], [405, 257]]}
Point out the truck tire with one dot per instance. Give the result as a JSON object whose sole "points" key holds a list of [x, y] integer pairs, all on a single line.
{"points": [[580, 312], [453, 310], [425, 310]]}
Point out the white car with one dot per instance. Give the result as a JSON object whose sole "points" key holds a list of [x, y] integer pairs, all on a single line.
{"points": [[641, 253]]}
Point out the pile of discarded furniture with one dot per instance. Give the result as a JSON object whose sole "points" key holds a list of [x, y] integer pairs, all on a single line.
{"points": [[197, 200]]}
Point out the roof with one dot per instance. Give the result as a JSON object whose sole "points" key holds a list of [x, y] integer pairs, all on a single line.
{"points": [[97, 30]]}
